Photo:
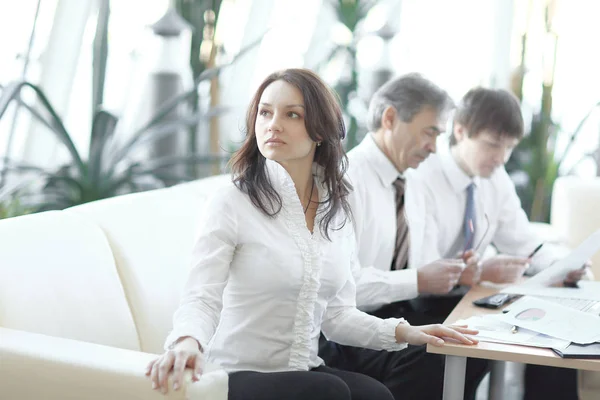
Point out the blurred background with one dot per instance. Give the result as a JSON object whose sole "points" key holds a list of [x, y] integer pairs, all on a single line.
{"points": [[100, 98]]}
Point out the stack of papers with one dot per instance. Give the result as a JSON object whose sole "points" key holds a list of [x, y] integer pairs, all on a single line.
{"points": [[491, 329], [532, 321], [553, 319]]}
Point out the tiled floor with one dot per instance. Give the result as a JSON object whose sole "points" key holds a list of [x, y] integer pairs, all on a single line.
{"points": [[514, 383]]}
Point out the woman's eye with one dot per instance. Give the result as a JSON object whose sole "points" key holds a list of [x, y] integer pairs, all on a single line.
{"points": [[292, 114], [263, 113]]}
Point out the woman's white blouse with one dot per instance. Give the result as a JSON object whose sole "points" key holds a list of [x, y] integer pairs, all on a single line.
{"points": [[261, 289]]}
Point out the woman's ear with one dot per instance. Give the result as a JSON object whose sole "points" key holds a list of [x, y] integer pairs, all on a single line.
{"points": [[388, 117]]}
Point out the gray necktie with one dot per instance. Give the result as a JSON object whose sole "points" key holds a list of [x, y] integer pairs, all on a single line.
{"points": [[400, 260], [469, 221]]}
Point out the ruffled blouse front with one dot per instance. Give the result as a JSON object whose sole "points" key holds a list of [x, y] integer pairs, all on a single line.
{"points": [[261, 289]]}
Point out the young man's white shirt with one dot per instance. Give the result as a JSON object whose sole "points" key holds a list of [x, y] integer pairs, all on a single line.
{"points": [[441, 185], [373, 203]]}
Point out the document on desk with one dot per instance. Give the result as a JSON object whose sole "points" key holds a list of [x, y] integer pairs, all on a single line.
{"points": [[553, 320], [575, 260], [493, 330]]}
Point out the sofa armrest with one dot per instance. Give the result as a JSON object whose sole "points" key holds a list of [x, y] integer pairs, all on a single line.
{"points": [[34, 366]]}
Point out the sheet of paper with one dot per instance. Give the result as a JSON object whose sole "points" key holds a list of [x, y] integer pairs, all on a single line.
{"points": [[576, 259], [493, 330], [553, 320], [588, 290]]}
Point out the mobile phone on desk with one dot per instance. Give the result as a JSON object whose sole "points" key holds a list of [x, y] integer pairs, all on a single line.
{"points": [[496, 300]]}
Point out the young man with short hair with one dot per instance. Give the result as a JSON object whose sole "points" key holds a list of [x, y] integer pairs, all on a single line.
{"points": [[468, 202]]}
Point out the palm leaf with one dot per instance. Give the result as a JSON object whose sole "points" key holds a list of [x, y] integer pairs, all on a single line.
{"points": [[11, 165], [163, 111], [33, 112], [575, 134], [168, 128], [12, 92], [103, 128], [9, 190], [100, 55]]}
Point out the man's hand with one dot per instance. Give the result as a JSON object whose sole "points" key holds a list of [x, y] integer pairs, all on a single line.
{"points": [[575, 276], [440, 276], [472, 273], [503, 269]]}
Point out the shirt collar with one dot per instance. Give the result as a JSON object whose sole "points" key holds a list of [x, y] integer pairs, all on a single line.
{"points": [[458, 179], [280, 178], [383, 167]]}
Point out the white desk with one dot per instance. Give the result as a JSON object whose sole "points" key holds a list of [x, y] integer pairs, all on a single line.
{"points": [[456, 354]]}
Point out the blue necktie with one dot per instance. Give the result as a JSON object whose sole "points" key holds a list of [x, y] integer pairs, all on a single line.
{"points": [[470, 216]]}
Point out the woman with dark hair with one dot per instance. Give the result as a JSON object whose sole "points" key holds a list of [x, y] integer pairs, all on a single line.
{"points": [[272, 266]]}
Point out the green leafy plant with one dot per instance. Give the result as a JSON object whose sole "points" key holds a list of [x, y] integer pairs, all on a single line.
{"points": [[109, 168], [350, 13], [538, 157], [594, 154], [10, 203], [536, 154], [11, 208]]}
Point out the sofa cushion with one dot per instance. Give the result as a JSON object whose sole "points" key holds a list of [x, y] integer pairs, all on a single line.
{"points": [[58, 277], [152, 235], [575, 213]]}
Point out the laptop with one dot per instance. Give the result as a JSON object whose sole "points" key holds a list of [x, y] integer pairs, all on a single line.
{"points": [[585, 305]]}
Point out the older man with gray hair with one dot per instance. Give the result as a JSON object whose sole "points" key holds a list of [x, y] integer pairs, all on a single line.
{"points": [[406, 115]]}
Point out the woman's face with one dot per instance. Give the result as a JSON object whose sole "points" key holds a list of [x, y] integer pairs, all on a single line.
{"points": [[280, 126]]}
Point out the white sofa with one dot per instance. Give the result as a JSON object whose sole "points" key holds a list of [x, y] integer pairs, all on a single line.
{"points": [[576, 214], [87, 296]]}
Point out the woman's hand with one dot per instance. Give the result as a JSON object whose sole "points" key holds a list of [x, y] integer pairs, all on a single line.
{"points": [[434, 334], [187, 352]]}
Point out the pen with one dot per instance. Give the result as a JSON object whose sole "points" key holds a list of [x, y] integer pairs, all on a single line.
{"points": [[536, 250]]}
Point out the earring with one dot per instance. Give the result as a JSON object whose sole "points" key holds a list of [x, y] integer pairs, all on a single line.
{"points": [[318, 144]]}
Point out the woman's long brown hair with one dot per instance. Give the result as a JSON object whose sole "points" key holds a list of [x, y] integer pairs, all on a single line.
{"points": [[324, 123]]}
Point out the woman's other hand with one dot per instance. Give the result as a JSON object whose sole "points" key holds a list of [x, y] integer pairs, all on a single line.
{"points": [[434, 334], [186, 353]]}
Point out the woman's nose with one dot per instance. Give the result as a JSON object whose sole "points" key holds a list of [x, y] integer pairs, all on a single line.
{"points": [[275, 124]]}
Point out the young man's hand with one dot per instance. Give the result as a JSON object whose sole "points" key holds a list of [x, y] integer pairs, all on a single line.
{"points": [[577, 275], [503, 269], [472, 272]]}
